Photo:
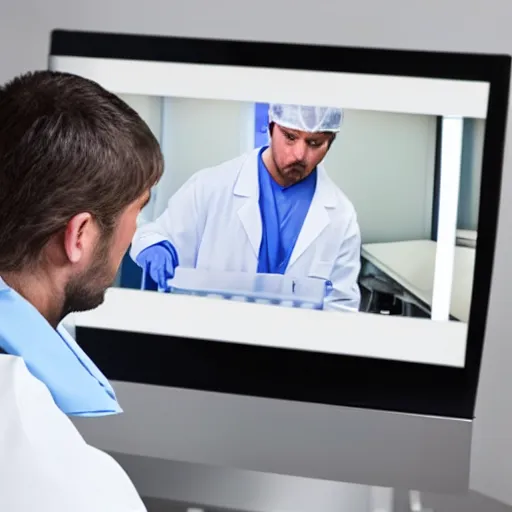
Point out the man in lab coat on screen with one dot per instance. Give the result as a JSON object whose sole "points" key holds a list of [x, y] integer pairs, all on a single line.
{"points": [[273, 210], [76, 167]]}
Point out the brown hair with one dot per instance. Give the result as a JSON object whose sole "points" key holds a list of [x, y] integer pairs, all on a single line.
{"points": [[66, 146]]}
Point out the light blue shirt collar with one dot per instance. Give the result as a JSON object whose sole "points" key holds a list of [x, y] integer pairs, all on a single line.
{"points": [[53, 356]]}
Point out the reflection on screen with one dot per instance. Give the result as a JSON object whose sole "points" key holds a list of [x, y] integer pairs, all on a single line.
{"points": [[300, 210]]}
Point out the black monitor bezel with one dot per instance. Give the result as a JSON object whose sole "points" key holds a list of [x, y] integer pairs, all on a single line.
{"points": [[291, 374]]}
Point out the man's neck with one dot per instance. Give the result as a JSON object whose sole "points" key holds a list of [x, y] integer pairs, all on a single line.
{"points": [[39, 291]]}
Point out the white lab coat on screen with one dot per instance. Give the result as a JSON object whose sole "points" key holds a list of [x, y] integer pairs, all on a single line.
{"points": [[45, 464], [214, 222]]}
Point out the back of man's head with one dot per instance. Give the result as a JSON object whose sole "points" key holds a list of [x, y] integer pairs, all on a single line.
{"points": [[66, 146]]}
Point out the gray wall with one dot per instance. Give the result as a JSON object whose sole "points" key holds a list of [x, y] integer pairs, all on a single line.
{"points": [[457, 25]]}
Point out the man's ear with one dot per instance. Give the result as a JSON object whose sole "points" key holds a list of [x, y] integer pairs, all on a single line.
{"points": [[78, 236]]}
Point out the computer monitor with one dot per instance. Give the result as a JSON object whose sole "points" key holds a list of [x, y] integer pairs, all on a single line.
{"points": [[333, 211]]}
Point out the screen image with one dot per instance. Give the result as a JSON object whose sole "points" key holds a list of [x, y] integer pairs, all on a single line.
{"points": [[381, 168], [299, 202]]}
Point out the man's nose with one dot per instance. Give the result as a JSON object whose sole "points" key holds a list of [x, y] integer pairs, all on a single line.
{"points": [[299, 150]]}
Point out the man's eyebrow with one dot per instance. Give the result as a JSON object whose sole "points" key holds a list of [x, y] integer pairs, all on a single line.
{"points": [[288, 130], [317, 137]]}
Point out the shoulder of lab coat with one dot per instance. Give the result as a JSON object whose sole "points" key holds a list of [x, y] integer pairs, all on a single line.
{"points": [[345, 294], [183, 220], [45, 463]]}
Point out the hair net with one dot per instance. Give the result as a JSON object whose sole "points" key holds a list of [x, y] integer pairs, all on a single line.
{"points": [[306, 119]]}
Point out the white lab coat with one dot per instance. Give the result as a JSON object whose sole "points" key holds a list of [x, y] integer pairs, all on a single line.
{"points": [[45, 464], [214, 222]]}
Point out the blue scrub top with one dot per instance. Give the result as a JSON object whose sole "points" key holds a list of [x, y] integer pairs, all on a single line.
{"points": [[53, 356], [283, 211]]}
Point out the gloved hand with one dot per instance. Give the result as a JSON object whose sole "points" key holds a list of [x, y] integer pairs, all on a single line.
{"points": [[159, 261]]}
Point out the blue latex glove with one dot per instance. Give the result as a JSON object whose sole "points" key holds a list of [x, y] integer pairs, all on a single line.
{"points": [[159, 261]]}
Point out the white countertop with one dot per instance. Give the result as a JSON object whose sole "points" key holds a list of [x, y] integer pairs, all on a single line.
{"points": [[411, 264], [467, 234]]}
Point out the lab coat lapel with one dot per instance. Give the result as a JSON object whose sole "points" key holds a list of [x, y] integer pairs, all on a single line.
{"points": [[247, 191], [86, 361], [54, 358], [317, 218]]}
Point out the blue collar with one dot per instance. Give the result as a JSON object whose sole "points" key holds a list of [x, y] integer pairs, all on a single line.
{"points": [[53, 356]]}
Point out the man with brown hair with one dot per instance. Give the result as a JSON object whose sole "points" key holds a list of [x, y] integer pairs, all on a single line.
{"points": [[76, 167]]}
